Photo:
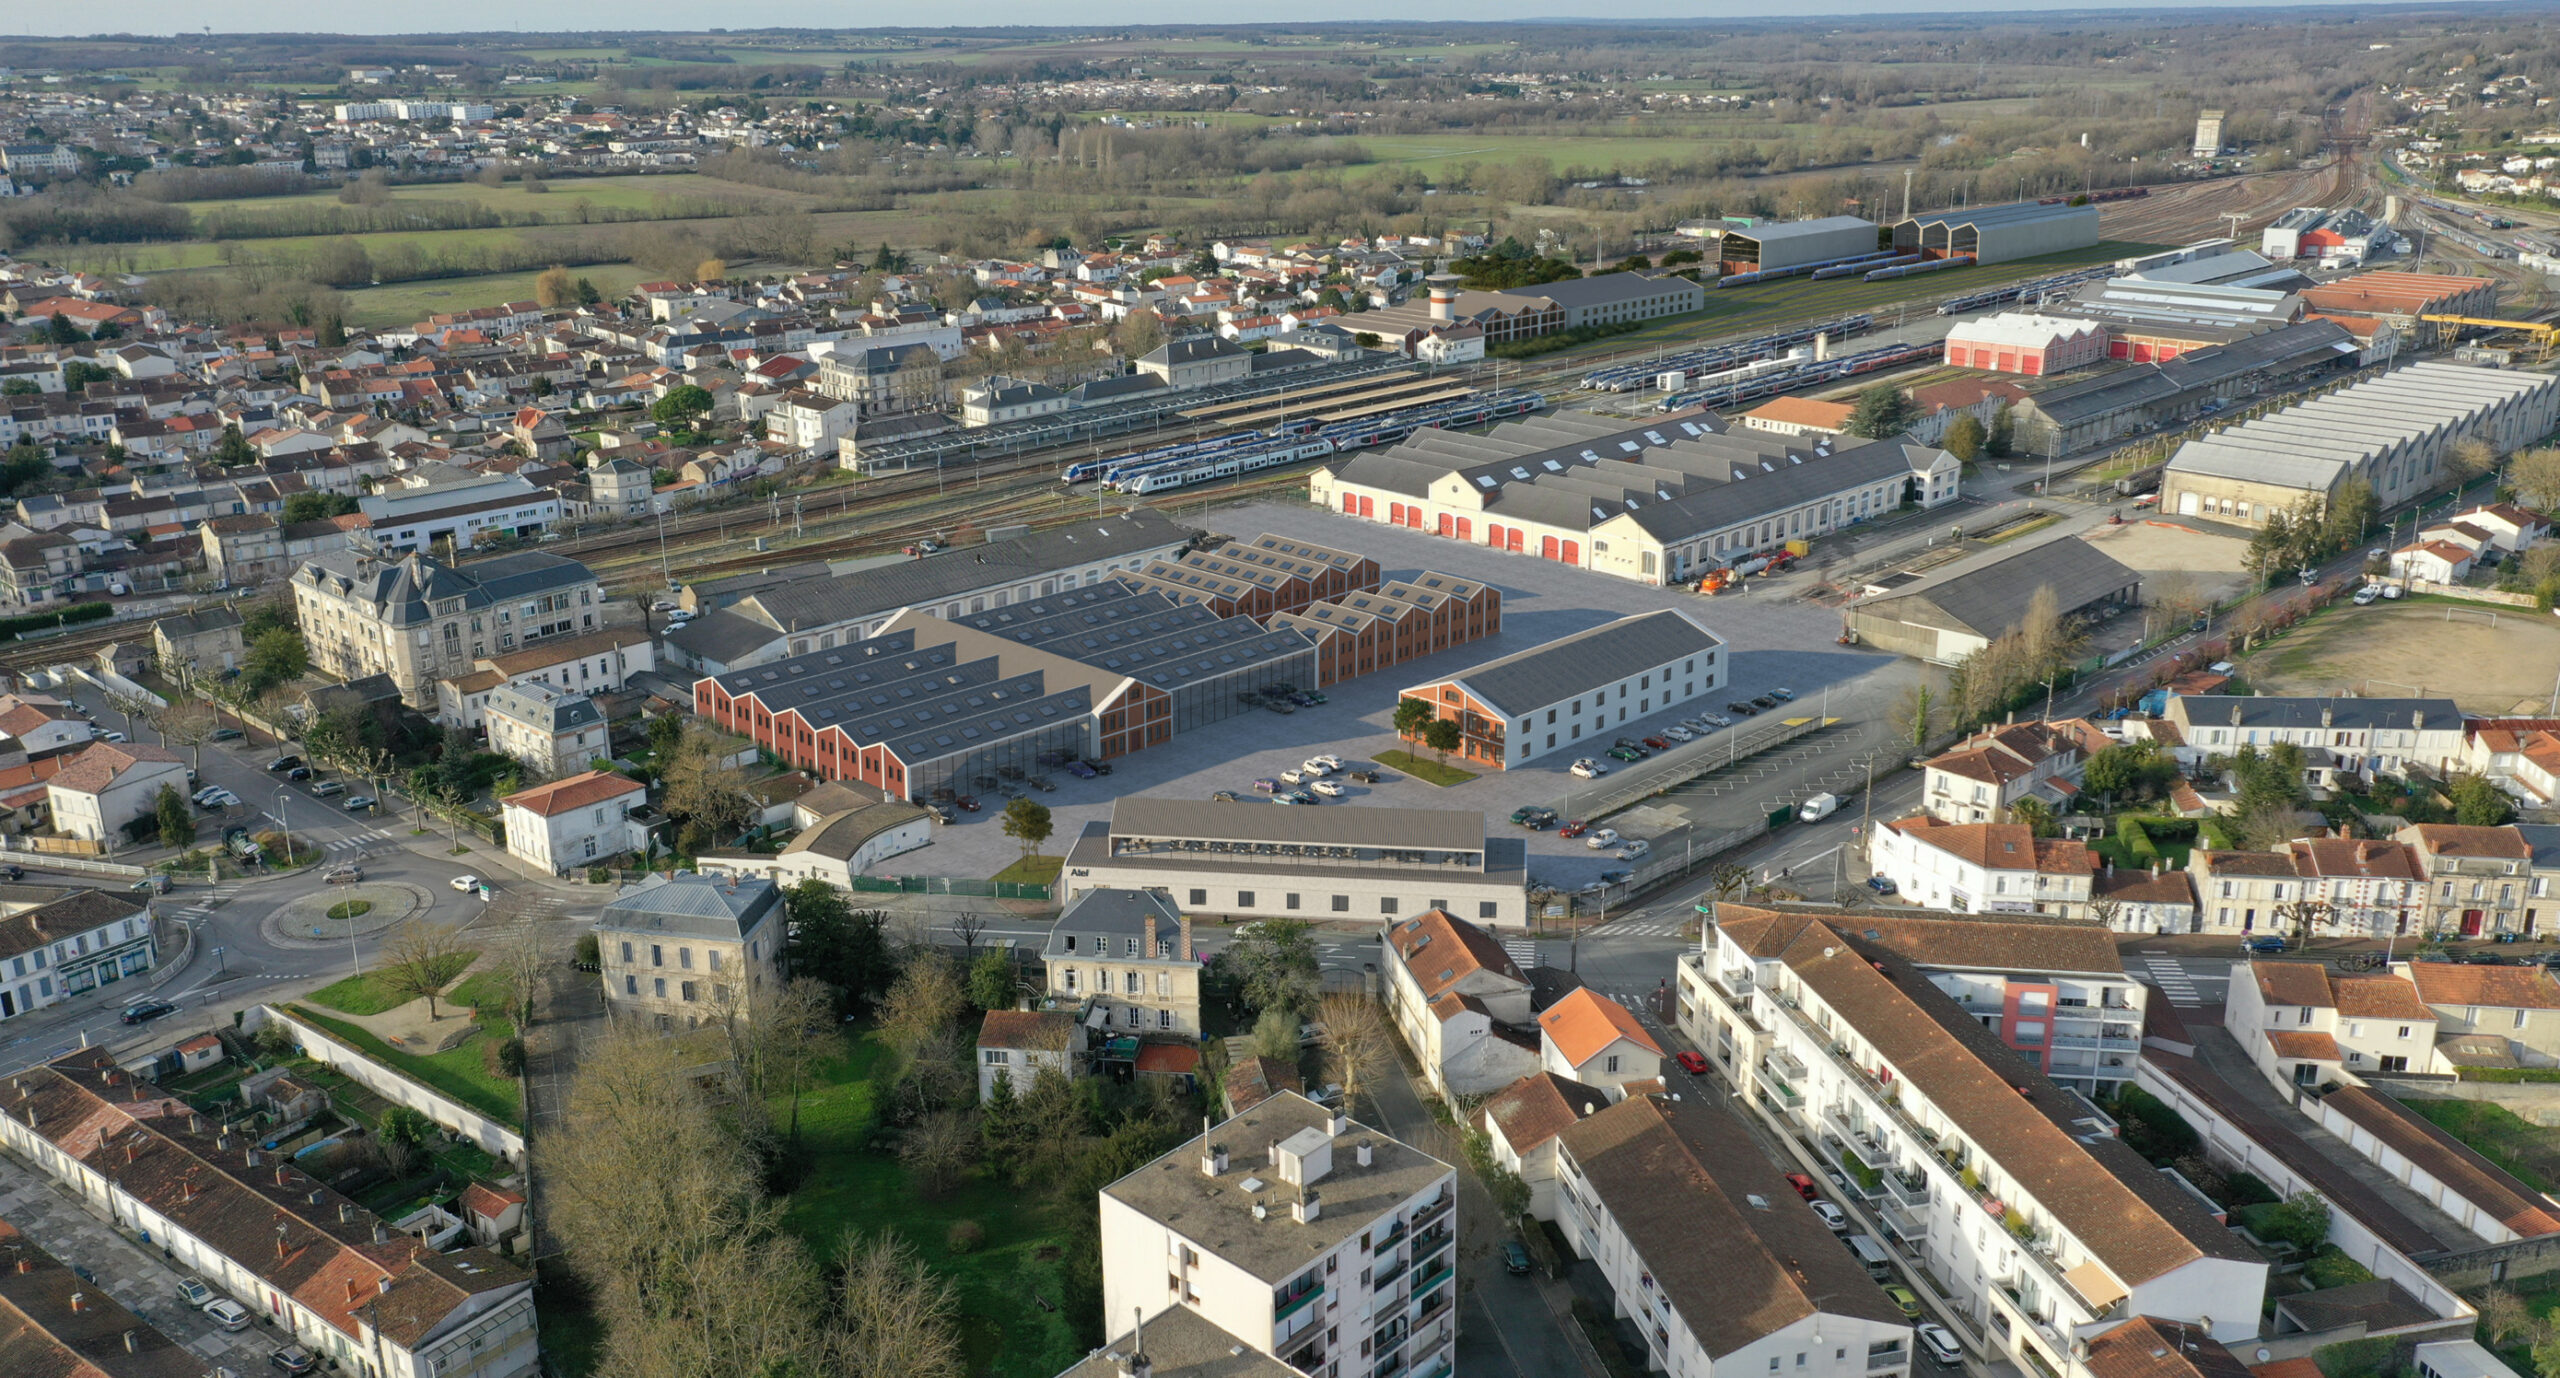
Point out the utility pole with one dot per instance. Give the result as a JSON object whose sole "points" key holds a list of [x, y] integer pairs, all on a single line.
{"points": [[2235, 217], [1906, 193]]}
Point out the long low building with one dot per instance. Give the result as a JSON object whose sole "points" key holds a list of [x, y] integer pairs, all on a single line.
{"points": [[929, 705], [1544, 700], [327, 1273], [1997, 234], [2392, 432], [1951, 616], [1400, 620], [1251, 861], [1750, 248], [2017, 342], [2106, 406], [1258, 578], [1657, 503]]}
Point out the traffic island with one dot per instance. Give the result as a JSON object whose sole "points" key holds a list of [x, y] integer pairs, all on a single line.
{"points": [[315, 921]]}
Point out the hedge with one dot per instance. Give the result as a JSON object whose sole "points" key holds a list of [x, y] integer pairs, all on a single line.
{"points": [[2508, 1074], [13, 627]]}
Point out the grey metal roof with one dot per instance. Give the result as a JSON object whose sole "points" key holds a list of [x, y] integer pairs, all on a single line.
{"points": [[729, 907], [401, 591], [544, 707], [1577, 293], [1111, 913], [2012, 213], [1989, 600], [1140, 633], [1194, 349], [2344, 714], [862, 593], [1519, 684], [1333, 825], [924, 701], [1796, 229], [2544, 839]]}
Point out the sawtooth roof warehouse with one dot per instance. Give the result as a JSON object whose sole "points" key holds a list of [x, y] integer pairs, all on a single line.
{"points": [[1656, 503]]}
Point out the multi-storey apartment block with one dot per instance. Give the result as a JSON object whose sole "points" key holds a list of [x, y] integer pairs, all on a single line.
{"points": [[1306, 1236], [2009, 1190]]}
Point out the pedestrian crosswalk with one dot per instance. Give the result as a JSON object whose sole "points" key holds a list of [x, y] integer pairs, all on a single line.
{"points": [[204, 903], [1652, 928], [2173, 981], [360, 842]]}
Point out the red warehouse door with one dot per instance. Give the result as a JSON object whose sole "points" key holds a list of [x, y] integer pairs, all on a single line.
{"points": [[1547, 548]]}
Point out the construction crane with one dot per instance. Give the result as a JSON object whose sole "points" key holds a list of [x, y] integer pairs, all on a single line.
{"points": [[2545, 334]]}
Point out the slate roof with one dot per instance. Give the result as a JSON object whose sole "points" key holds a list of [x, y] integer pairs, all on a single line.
{"points": [[852, 596], [42, 1335], [725, 907], [1101, 915], [545, 707], [401, 591], [1525, 681], [1538, 1107]]}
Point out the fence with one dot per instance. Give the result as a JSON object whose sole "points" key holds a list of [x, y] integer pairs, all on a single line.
{"points": [[58, 846], [1627, 786], [503, 1140], [946, 885], [49, 861]]}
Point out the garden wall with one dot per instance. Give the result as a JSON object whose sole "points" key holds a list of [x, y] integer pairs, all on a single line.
{"points": [[500, 1140]]}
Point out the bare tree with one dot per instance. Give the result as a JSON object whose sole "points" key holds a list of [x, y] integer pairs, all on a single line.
{"points": [[939, 1147], [420, 959], [525, 964], [2103, 910], [131, 707], [1727, 881], [927, 999], [969, 926], [188, 723], [774, 1042], [1358, 1046], [895, 1319]]}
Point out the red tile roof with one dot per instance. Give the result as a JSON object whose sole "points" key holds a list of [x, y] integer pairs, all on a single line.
{"points": [[2506, 988], [574, 792], [2444, 1157], [1583, 1023]]}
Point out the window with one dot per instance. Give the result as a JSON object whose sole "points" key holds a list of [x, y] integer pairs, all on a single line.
{"points": [[1387, 905], [1164, 1019], [657, 955], [1289, 901], [660, 985], [1487, 909], [1199, 899], [1342, 904], [714, 954], [626, 952], [687, 989], [1612, 1064], [997, 1057], [1069, 979], [631, 985], [684, 958], [1244, 899]]}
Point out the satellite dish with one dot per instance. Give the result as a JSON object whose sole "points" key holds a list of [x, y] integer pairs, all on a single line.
{"points": [[2263, 1355]]}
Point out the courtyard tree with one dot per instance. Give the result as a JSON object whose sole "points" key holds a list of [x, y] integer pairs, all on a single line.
{"points": [[1358, 1047], [2535, 475], [1911, 716], [177, 820], [420, 959], [1027, 821], [1443, 737], [2479, 803], [1882, 411], [1274, 966], [1410, 715], [681, 407], [1965, 438]]}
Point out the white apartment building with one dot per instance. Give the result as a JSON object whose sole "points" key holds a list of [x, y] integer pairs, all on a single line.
{"points": [[2366, 735], [548, 728], [1723, 1268], [576, 822], [1982, 868], [57, 943], [2011, 1191], [457, 515], [326, 1273], [1307, 1236], [1979, 779], [1565, 697], [108, 785]]}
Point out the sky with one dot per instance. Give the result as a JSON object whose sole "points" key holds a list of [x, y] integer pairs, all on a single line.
{"points": [[537, 16]]}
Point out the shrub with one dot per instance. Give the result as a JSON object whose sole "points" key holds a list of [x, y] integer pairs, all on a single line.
{"points": [[2331, 1268], [590, 951], [511, 1058], [964, 1237], [2248, 1190], [597, 875]]}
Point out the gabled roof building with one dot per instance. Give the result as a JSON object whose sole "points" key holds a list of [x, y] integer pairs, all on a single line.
{"points": [[1549, 699]]}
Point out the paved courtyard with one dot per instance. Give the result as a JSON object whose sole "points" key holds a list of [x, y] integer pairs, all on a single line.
{"points": [[1776, 638]]}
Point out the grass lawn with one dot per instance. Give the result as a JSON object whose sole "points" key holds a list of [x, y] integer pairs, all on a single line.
{"points": [[404, 303], [350, 909], [1429, 771], [850, 1184], [484, 988], [2498, 1134], [1031, 870], [458, 1073], [572, 1332]]}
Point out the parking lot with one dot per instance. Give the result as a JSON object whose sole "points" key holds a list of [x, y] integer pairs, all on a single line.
{"points": [[1775, 639]]}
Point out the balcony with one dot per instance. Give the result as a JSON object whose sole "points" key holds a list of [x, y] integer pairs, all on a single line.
{"points": [[1283, 1309], [1434, 1210], [1786, 1096], [1907, 1221], [1735, 982], [1424, 1281], [1388, 1274], [1785, 1065], [1439, 1369], [1430, 1310], [1885, 1359], [2064, 1040], [1389, 1240], [1912, 1189]]}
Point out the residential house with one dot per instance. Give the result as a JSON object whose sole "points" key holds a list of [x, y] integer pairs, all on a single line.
{"points": [[579, 821], [417, 619], [1983, 868], [110, 784], [61, 1323], [1017, 1047], [2357, 887], [1521, 1122], [2366, 736], [1843, 1038], [1253, 1080], [690, 947], [1460, 1002], [2134, 900], [548, 729], [41, 725], [1302, 1233], [2301, 1025], [494, 1215], [600, 662], [2470, 880], [1596, 1041], [2518, 755], [1724, 1271], [206, 641], [57, 942], [2516, 1006], [1125, 957], [1979, 779]]}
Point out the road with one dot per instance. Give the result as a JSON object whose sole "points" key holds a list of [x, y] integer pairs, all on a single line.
{"points": [[234, 958]]}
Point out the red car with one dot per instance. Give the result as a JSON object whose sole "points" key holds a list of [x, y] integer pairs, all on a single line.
{"points": [[1576, 828], [1803, 1185], [968, 803], [1693, 1064], [1658, 743]]}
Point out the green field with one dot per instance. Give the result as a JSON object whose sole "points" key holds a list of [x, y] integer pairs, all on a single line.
{"points": [[1440, 153], [559, 204], [406, 303], [458, 1072]]}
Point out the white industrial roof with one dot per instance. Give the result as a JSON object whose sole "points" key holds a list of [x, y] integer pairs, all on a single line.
{"points": [[2022, 330]]}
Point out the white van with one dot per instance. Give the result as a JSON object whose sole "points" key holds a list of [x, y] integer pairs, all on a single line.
{"points": [[1819, 807], [1879, 1264]]}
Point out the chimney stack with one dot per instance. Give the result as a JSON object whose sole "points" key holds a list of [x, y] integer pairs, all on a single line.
{"points": [[1148, 948], [26, 1265], [1336, 1125], [1213, 1161], [1309, 1206], [1367, 1152], [1184, 943], [79, 1301]]}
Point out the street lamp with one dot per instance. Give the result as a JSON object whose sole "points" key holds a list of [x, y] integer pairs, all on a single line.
{"points": [[286, 824]]}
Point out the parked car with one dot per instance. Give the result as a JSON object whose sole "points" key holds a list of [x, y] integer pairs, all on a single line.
{"points": [[194, 1292], [1940, 1345], [1304, 700], [1764, 702], [294, 1360], [1836, 1219], [1692, 1063], [942, 813], [1717, 719], [359, 803], [1515, 1258], [1627, 754], [1331, 789], [1629, 743], [1589, 769], [1288, 798], [344, 875], [1658, 743], [14, 872], [1740, 709], [228, 1314], [1678, 733], [1635, 850], [1097, 767], [1573, 828], [1224, 796], [1293, 777], [1299, 796], [1905, 1298], [326, 788], [1782, 695], [1328, 761], [1882, 885], [111, 736], [1270, 786], [1281, 706], [298, 773], [968, 803], [1366, 777], [147, 1011], [2264, 942], [2367, 594], [221, 799], [1541, 819], [466, 883], [1613, 877], [1804, 1186], [1521, 815], [226, 734], [1601, 838], [1081, 771], [282, 763]]}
